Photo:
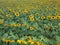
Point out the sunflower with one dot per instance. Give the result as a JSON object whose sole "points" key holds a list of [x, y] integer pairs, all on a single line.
{"points": [[17, 14], [37, 14], [4, 40], [31, 17], [19, 41], [43, 17], [57, 17], [18, 24], [29, 41], [28, 37], [11, 41], [49, 17], [12, 24], [10, 10], [52, 17], [32, 42], [38, 43], [24, 42], [25, 25], [26, 10], [8, 15], [31, 28]]}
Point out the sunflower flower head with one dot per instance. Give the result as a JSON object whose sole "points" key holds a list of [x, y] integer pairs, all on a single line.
{"points": [[19, 41], [31, 28], [17, 14], [12, 41], [4, 40], [18, 24], [26, 10], [31, 17], [32, 42], [57, 17], [24, 42], [43, 17], [8, 15]]}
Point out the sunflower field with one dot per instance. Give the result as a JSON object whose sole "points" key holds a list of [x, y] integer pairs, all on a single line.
{"points": [[29, 22]]}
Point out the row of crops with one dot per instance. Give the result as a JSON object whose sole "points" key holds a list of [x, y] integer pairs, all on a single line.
{"points": [[29, 22]]}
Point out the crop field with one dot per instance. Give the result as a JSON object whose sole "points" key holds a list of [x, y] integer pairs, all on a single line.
{"points": [[29, 22]]}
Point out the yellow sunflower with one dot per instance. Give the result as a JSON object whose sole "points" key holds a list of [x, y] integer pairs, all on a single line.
{"points": [[26, 10], [31, 17], [38, 43], [17, 14], [57, 17], [37, 14], [12, 24], [49, 17], [24, 42], [11, 41], [25, 25], [4, 40], [32, 42], [52, 17], [18, 24], [31, 28], [43, 17], [19, 41], [8, 15]]}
